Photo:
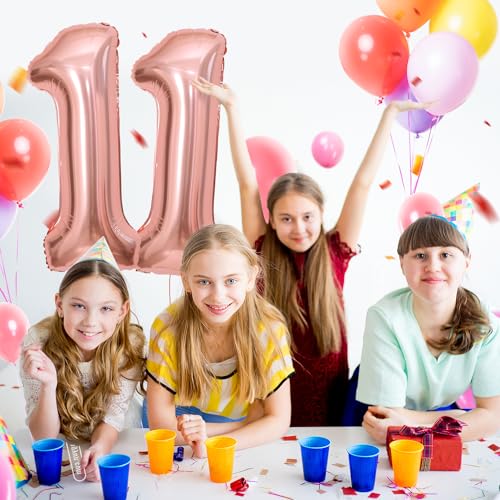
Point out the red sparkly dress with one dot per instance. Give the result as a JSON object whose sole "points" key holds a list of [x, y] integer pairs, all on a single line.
{"points": [[320, 382]]}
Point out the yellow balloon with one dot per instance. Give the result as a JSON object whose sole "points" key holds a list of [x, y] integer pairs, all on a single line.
{"points": [[475, 20]]}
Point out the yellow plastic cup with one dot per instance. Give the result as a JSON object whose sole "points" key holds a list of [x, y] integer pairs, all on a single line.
{"points": [[406, 456], [160, 450], [220, 451]]}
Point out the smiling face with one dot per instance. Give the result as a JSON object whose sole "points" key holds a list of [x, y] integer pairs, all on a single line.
{"points": [[91, 308], [297, 221], [218, 281], [434, 274]]}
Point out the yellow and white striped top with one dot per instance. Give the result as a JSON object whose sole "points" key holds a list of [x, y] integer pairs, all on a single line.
{"points": [[221, 403]]}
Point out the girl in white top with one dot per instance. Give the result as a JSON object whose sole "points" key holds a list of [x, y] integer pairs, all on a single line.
{"points": [[81, 367]]}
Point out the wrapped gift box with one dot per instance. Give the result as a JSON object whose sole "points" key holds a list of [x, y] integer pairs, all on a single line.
{"points": [[442, 443]]}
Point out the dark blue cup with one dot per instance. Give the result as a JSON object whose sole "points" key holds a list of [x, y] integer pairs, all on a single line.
{"points": [[314, 450], [363, 459], [48, 460], [114, 470]]}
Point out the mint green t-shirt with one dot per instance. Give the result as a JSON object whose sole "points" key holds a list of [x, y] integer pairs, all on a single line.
{"points": [[398, 370]]}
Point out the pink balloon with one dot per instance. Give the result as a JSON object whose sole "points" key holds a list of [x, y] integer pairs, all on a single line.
{"points": [[79, 69], [416, 206], [271, 160], [327, 149], [7, 483], [8, 212], [13, 327], [466, 401], [442, 69]]}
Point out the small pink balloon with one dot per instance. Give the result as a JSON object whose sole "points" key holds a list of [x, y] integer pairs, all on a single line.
{"points": [[327, 149], [13, 327], [416, 206]]}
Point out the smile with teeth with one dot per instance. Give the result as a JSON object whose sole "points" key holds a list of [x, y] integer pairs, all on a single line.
{"points": [[89, 334], [218, 309]]}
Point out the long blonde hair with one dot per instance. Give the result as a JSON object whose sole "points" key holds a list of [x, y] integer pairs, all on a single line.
{"points": [[469, 322], [326, 312], [255, 314], [80, 412]]}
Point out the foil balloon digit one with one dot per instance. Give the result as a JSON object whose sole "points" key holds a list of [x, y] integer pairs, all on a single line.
{"points": [[186, 152], [79, 70]]}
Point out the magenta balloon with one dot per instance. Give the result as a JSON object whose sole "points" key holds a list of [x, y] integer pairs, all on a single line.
{"points": [[442, 70], [13, 327], [8, 212], [416, 120], [7, 480], [416, 206], [327, 149], [271, 160]]}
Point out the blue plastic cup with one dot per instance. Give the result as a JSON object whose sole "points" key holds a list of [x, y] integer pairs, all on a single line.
{"points": [[314, 450], [363, 459], [114, 469], [48, 460]]}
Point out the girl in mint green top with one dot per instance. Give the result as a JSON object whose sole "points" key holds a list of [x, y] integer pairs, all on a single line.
{"points": [[425, 344]]}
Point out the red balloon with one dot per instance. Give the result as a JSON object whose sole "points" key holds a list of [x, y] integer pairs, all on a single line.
{"points": [[374, 53], [416, 206], [271, 160], [24, 158], [13, 327]]}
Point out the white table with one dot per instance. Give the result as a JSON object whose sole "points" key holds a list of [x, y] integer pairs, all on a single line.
{"points": [[480, 472]]}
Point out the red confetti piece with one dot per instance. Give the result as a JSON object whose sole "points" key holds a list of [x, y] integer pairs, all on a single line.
{"points": [[143, 452], [386, 184], [416, 11], [398, 492], [346, 490], [373, 495], [484, 207], [416, 81], [16, 387], [291, 461], [486, 122], [494, 447], [139, 138], [481, 440], [144, 35], [289, 438]]}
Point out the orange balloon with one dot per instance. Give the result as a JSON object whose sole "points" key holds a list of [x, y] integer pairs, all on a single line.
{"points": [[409, 15]]}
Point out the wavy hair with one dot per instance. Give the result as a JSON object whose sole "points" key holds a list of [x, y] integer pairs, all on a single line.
{"points": [[246, 325], [469, 322], [324, 301], [80, 412]]}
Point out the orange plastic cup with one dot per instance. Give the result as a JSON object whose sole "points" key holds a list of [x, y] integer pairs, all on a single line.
{"points": [[220, 451], [160, 450], [406, 456]]}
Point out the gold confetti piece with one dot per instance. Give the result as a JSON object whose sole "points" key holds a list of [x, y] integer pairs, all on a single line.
{"points": [[417, 164], [18, 79], [390, 257], [291, 461], [263, 472], [339, 465]]}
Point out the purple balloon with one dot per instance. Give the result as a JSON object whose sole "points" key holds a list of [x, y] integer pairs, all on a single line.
{"points": [[416, 120], [8, 212], [442, 70]]}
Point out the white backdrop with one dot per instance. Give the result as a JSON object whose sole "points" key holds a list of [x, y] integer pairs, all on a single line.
{"points": [[282, 59]]}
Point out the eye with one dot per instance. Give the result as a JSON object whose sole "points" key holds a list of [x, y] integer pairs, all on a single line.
{"points": [[78, 306], [420, 256], [308, 217], [445, 255], [107, 308], [285, 219], [231, 281], [203, 282]]}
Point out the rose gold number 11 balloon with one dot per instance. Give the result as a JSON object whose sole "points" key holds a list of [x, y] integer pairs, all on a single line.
{"points": [[79, 69]]}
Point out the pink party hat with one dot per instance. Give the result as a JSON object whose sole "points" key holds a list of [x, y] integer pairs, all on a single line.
{"points": [[99, 251]]}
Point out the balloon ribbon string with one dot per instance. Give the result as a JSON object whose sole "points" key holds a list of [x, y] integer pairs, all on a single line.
{"points": [[398, 164], [4, 274], [16, 275]]}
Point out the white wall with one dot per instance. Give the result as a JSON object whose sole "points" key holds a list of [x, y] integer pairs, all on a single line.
{"points": [[282, 58]]}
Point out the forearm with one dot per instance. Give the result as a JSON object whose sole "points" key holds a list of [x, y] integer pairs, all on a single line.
{"points": [[104, 437], [44, 420]]}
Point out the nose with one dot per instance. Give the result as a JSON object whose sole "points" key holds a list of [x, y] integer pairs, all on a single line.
{"points": [[90, 318], [218, 291], [433, 263], [298, 226]]}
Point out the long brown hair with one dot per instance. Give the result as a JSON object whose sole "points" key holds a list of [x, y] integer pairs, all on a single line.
{"points": [[469, 322], [324, 302], [254, 315], [80, 412]]}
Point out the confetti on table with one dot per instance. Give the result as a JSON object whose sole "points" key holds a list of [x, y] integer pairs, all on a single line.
{"points": [[289, 438], [18, 79], [481, 440], [373, 495], [339, 465], [494, 447], [386, 184], [417, 165], [486, 122], [65, 463], [139, 138], [416, 81], [484, 207], [278, 495], [16, 387], [263, 472], [291, 461], [143, 452], [144, 35], [348, 491], [399, 492]]}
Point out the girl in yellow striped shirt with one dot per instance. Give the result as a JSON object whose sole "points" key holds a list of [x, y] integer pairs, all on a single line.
{"points": [[219, 359]]}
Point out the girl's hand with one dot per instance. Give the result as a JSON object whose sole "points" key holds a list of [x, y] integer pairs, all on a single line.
{"points": [[39, 366], [401, 106], [222, 92], [378, 418], [89, 462], [194, 432]]}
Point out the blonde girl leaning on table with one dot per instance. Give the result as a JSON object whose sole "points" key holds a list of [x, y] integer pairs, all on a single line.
{"points": [[81, 367], [305, 264], [219, 360], [425, 344]]}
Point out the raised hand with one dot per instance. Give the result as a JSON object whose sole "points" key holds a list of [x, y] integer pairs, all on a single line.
{"points": [[222, 92], [39, 366]]}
